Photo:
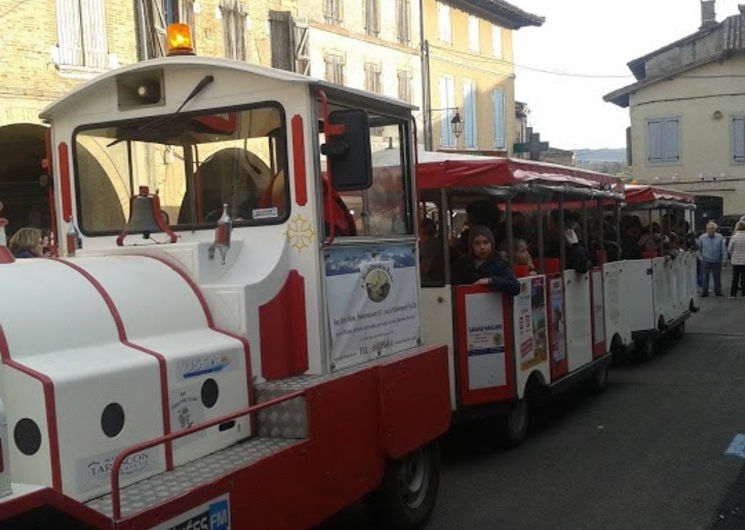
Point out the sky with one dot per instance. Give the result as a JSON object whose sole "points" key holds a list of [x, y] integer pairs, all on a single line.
{"points": [[590, 38]]}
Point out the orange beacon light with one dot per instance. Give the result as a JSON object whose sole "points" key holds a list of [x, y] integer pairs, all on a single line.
{"points": [[179, 40]]}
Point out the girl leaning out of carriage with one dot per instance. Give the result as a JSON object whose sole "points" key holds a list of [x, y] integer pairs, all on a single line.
{"points": [[483, 265]]}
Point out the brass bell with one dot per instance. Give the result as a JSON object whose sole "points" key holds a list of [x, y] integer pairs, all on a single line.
{"points": [[144, 217]]}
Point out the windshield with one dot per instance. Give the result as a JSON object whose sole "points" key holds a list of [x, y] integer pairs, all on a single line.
{"points": [[196, 162]]}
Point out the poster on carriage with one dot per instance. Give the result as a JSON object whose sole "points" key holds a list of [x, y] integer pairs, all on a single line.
{"points": [[558, 341], [530, 322], [371, 295], [485, 340]]}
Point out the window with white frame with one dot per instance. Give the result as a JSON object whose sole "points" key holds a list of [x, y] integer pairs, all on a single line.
{"points": [[372, 18], [81, 34], [334, 68], [332, 11], [663, 140], [404, 85], [498, 113], [473, 33], [234, 16], [443, 22], [496, 41], [403, 20], [738, 139], [446, 86], [373, 78], [470, 130]]}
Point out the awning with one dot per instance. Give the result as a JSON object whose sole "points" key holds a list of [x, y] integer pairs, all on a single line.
{"points": [[636, 193], [480, 171]]}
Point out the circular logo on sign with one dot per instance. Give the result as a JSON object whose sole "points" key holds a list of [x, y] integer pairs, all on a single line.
{"points": [[377, 284]]}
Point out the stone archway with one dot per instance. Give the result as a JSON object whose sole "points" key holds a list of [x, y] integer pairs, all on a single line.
{"points": [[23, 192]]}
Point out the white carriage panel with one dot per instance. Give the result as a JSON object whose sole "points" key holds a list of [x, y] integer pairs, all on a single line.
{"points": [[661, 286], [72, 314], [86, 382], [616, 319], [579, 324], [598, 311], [638, 294], [437, 325], [692, 280], [530, 332], [174, 325], [680, 268], [5, 488], [24, 398], [485, 340]]}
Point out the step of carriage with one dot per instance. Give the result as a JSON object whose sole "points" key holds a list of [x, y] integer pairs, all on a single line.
{"points": [[143, 495], [288, 419]]}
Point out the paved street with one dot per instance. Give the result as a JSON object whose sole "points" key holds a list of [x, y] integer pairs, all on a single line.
{"points": [[648, 453]]}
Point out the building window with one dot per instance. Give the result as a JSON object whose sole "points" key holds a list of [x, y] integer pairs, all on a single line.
{"points": [[373, 75], [153, 17], [334, 68], [470, 135], [81, 31], [372, 18], [738, 139], [446, 87], [403, 20], [496, 41], [663, 141], [498, 108], [233, 29], [443, 19], [332, 11], [473, 33], [404, 85]]}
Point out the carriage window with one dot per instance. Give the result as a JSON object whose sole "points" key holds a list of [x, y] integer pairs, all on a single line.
{"points": [[431, 246], [195, 162], [381, 210]]}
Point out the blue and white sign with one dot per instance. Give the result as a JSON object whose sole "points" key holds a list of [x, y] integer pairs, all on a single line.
{"points": [[372, 301], [213, 515]]}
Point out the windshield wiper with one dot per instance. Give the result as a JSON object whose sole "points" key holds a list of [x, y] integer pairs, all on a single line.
{"points": [[160, 120]]}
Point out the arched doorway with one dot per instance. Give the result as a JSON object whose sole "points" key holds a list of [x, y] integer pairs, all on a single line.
{"points": [[23, 189]]}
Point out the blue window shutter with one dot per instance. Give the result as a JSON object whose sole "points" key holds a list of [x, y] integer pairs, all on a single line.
{"points": [[469, 114], [499, 118], [654, 140], [738, 139]]}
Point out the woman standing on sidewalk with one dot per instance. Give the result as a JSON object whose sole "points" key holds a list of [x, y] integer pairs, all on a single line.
{"points": [[736, 250]]}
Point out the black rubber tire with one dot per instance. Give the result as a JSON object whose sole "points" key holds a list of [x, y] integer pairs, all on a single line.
{"points": [[406, 497], [678, 331], [599, 380], [515, 423], [646, 349], [617, 349], [692, 307]]}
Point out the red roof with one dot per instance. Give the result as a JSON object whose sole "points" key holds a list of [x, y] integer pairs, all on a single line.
{"points": [[505, 172], [639, 193]]}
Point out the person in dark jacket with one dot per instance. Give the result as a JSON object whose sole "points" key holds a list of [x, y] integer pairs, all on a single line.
{"points": [[483, 265]]}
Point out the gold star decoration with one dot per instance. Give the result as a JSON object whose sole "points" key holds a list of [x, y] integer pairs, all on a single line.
{"points": [[300, 233]]}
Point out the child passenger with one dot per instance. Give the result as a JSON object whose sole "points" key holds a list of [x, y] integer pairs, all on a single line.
{"points": [[483, 265], [522, 256]]}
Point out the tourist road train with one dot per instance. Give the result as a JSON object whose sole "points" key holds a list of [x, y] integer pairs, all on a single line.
{"points": [[232, 331]]}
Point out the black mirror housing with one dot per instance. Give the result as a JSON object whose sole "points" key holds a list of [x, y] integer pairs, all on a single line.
{"points": [[349, 155]]}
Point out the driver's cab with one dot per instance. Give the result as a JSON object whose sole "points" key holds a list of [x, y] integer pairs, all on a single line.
{"points": [[298, 183]]}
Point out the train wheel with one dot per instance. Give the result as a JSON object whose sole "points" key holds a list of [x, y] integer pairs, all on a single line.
{"points": [[407, 495], [646, 349], [692, 307], [679, 331], [599, 381], [515, 423]]}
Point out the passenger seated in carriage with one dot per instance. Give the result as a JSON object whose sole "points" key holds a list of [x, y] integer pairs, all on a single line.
{"points": [[483, 264]]}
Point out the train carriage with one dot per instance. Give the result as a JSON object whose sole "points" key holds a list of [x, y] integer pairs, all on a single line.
{"points": [[217, 345]]}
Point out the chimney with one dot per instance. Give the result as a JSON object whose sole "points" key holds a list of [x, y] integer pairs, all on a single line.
{"points": [[708, 14]]}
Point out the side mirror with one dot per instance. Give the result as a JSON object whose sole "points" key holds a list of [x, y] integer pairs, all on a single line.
{"points": [[349, 156]]}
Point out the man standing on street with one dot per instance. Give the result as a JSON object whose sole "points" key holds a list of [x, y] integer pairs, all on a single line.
{"points": [[712, 252]]}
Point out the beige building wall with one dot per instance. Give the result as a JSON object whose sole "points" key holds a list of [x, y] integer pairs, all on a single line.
{"points": [[486, 69], [348, 40], [706, 164]]}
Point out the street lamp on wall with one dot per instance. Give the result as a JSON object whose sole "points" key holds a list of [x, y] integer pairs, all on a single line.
{"points": [[456, 122]]}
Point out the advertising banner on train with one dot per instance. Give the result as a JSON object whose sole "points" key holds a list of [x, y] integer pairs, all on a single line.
{"points": [[485, 340], [530, 322], [372, 301], [558, 341]]}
